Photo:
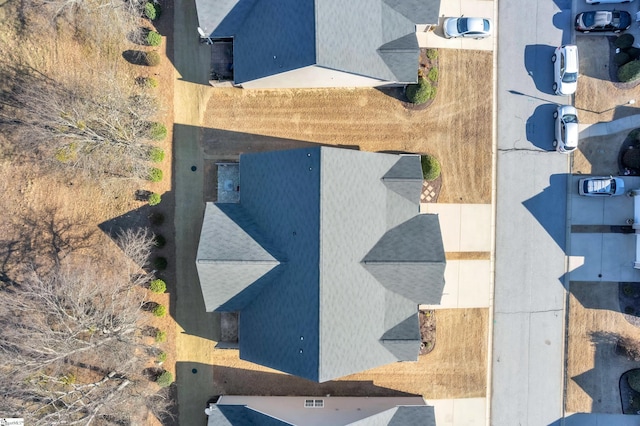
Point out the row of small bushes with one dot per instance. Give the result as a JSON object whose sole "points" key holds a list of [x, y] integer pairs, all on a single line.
{"points": [[627, 58]]}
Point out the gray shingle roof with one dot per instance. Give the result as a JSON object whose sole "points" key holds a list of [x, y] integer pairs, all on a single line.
{"points": [[327, 210], [241, 415], [419, 415], [374, 38]]}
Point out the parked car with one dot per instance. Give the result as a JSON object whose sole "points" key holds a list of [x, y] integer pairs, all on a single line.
{"points": [[566, 135], [603, 20], [608, 1], [467, 27], [601, 186], [565, 69]]}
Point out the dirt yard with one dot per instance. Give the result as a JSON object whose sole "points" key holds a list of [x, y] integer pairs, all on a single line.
{"points": [[593, 367], [456, 128], [456, 368]]}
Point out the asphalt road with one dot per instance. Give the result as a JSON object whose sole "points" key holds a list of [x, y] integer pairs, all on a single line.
{"points": [[529, 300]]}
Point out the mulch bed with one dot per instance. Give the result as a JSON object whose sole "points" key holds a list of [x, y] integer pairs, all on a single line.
{"points": [[427, 330], [435, 185], [629, 398], [425, 66]]}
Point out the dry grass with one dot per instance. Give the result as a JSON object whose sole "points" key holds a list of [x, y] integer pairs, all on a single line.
{"points": [[593, 368], [456, 368], [456, 128]]}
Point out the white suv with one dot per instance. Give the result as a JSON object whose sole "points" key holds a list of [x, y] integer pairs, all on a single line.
{"points": [[565, 69]]}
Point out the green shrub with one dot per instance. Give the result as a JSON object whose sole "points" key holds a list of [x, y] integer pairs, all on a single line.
{"points": [[430, 167], [162, 357], [621, 58], [624, 41], [152, 10], [629, 310], [153, 38], [433, 74], [151, 59], [156, 154], [151, 82], [633, 52], [631, 158], [629, 71], [161, 336], [160, 263], [627, 289], [165, 379], [421, 92], [154, 199], [633, 378], [432, 54], [158, 286], [155, 174], [157, 131], [159, 241], [159, 311]]}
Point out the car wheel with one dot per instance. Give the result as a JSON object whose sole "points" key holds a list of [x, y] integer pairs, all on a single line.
{"points": [[553, 58], [555, 114], [555, 143], [555, 87]]}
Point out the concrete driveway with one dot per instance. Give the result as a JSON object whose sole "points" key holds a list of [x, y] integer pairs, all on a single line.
{"points": [[454, 8]]}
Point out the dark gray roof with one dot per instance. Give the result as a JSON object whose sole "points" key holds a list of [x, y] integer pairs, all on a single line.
{"points": [[418, 415], [241, 415], [374, 38], [344, 234]]}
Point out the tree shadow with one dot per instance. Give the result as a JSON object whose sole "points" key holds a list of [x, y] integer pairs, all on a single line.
{"points": [[135, 57]]}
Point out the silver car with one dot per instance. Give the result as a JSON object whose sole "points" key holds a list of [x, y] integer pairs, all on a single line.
{"points": [[467, 27], [601, 186], [565, 69], [566, 129]]}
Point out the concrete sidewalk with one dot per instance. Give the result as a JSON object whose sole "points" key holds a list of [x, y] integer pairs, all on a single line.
{"points": [[625, 124]]}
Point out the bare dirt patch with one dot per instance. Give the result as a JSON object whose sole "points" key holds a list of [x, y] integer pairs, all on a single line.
{"points": [[456, 128]]}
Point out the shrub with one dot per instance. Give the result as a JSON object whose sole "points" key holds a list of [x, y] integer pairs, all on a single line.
{"points": [[433, 74], [621, 58], [158, 286], [633, 378], [157, 131], [152, 10], [153, 38], [624, 41], [151, 59], [633, 52], [430, 167], [165, 379], [156, 218], [151, 82], [159, 241], [156, 154], [432, 54], [421, 92], [154, 199], [629, 71], [159, 311], [160, 263], [161, 336], [155, 174], [627, 289], [631, 159], [162, 357]]}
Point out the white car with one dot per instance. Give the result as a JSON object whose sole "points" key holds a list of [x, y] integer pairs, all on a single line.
{"points": [[608, 1], [566, 129], [565, 69], [601, 186], [467, 27]]}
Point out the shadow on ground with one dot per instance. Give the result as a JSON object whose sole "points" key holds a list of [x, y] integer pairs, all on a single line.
{"points": [[553, 220], [537, 62], [540, 127]]}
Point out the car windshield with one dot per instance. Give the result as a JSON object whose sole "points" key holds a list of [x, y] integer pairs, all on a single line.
{"points": [[486, 24], [462, 26], [570, 118], [588, 18], [613, 186], [570, 77]]}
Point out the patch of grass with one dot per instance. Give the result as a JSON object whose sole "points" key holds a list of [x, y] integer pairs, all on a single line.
{"points": [[432, 54], [161, 336], [433, 74]]}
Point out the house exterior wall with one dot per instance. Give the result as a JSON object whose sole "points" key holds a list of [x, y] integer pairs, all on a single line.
{"points": [[336, 411], [312, 77]]}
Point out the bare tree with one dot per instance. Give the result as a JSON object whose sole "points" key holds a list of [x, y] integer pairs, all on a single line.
{"points": [[101, 128]]}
